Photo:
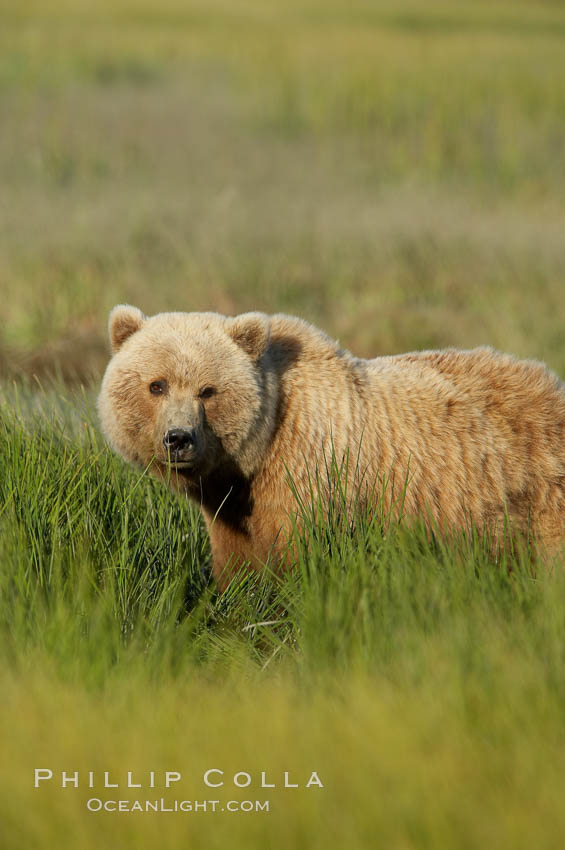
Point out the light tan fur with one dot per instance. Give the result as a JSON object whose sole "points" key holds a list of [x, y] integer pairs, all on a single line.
{"points": [[456, 437]]}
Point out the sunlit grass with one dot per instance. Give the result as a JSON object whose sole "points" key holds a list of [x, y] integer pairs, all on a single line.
{"points": [[423, 680], [392, 172]]}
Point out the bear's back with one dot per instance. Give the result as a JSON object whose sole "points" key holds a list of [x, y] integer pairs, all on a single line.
{"points": [[483, 431]]}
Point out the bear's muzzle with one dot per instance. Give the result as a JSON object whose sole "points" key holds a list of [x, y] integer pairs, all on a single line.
{"points": [[180, 445]]}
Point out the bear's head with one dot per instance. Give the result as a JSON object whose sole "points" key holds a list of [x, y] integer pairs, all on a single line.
{"points": [[186, 392]]}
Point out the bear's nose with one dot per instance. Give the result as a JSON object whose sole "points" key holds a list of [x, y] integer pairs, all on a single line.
{"points": [[178, 439]]}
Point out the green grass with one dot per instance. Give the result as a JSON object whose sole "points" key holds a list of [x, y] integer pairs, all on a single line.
{"points": [[424, 681], [392, 171]]}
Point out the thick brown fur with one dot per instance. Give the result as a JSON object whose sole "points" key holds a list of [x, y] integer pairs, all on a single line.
{"points": [[455, 437]]}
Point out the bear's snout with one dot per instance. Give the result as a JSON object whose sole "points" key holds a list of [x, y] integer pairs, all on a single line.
{"points": [[179, 443]]}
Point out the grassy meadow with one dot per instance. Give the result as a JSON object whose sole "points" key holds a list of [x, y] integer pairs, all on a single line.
{"points": [[393, 172]]}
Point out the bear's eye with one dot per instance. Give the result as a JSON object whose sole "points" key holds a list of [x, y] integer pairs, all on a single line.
{"points": [[158, 387], [207, 392]]}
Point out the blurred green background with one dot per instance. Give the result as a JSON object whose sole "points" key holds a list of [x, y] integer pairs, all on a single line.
{"points": [[393, 172]]}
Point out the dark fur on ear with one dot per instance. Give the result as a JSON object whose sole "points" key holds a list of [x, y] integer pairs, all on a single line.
{"points": [[251, 332], [123, 322]]}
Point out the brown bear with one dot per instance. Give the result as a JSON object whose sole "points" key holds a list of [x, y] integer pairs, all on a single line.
{"points": [[227, 409]]}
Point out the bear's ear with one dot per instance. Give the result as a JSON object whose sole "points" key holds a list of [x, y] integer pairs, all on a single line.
{"points": [[123, 322], [250, 331]]}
